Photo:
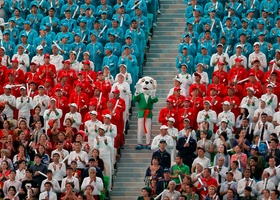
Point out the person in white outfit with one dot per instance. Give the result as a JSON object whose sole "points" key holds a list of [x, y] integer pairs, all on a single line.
{"points": [[47, 194], [91, 127], [79, 156], [125, 92], [173, 132], [257, 55], [10, 102], [56, 59], [23, 58], [24, 104], [70, 179], [227, 114], [207, 115], [52, 113], [55, 184], [270, 98], [57, 167], [105, 145], [163, 136], [76, 116], [251, 101], [39, 57], [41, 99], [264, 128], [93, 180], [265, 183], [220, 56]]}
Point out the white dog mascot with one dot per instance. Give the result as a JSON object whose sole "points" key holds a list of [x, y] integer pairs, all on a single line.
{"points": [[145, 95]]}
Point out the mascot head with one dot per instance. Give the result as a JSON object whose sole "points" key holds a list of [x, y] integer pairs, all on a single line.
{"points": [[148, 84]]}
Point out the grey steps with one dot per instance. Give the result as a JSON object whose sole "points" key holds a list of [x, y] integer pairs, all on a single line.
{"points": [[161, 66]]}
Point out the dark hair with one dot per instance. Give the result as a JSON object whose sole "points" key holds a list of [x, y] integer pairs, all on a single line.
{"points": [[37, 107], [235, 162], [255, 158], [244, 115], [5, 162], [275, 140], [12, 187], [183, 196], [232, 191], [83, 196], [157, 158], [274, 135], [276, 192], [48, 183], [224, 134], [21, 161], [266, 190], [29, 170], [225, 149], [264, 114]]}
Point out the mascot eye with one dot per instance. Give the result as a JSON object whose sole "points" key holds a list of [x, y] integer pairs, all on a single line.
{"points": [[143, 80], [151, 81]]}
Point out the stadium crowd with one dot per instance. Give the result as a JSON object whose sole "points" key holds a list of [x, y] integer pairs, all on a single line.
{"points": [[67, 74], [219, 137]]}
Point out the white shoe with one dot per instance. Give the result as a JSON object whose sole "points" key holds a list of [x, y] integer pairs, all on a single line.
{"points": [[158, 12], [155, 24]]}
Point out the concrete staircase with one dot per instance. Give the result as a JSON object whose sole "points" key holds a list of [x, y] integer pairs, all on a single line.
{"points": [[160, 66]]}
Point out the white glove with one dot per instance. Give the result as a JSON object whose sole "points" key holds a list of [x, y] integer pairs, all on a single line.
{"points": [[138, 88], [153, 94]]}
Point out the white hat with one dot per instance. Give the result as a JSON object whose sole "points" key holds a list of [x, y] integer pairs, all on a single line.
{"points": [[40, 47], [22, 87], [207, 101], [224, 120], [163, 127], [263, 99], [73, 104], [102, 127], [7, 87], [108, 116], [53, 99], [239, 45], [177, 79], [3, 48], [270, 85], [256, 43], [243, 106], [226, 103], [86, 52], [41, 86], [74, 52], [250, 88], [171, 119], [123, 65], [93, 112]]}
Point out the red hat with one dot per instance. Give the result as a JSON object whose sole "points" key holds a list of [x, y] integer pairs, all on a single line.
{"points": [[47, 55], [99, 72], [177, 88], [221, 63], [97, 88], [51, 122], [79, 84], [92, 103], [86, 62], [197, 74], [66, 62], [169, 100], [48, 80], [238, 59], [82, 133], [11, 72], [33, 63], [216, 75], [251, 74], [271, 62], [112, 101], [213, 88], [80, 73], [187, 99], [58, 88], [15, 61], [116, 91]]}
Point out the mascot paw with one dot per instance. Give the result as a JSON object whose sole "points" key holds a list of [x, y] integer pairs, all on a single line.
{"points": [[138, 88]]}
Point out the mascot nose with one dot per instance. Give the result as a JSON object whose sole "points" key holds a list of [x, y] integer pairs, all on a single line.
{"points": [[147, 82]]}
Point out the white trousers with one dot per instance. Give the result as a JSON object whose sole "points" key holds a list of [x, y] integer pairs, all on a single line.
{"points": [[141, 132]]}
